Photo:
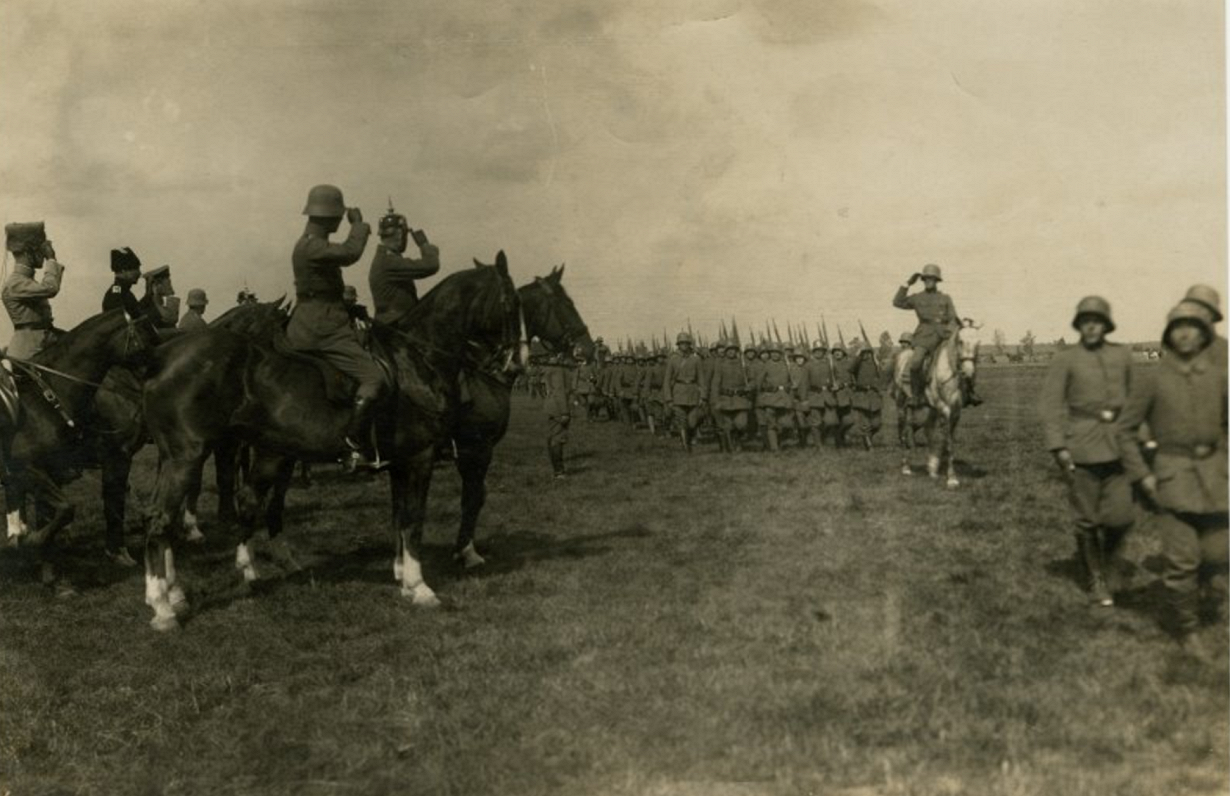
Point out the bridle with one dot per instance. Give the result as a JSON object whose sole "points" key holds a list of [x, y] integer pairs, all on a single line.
{"points": [[569, 330]]}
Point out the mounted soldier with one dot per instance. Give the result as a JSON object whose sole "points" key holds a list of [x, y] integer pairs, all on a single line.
{"points": [[160, 301], [320, 323], [126, 266], [393, 275], [937, 318], [194, 318], [27, 300]]}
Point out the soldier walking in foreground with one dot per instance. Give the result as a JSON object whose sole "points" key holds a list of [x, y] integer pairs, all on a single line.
{"points": [[729, 392], [27, 300], [866, 401], [1085, 390], [1185, 407], [194, 318], [320, 322], [937, 319], [775, 399], [681, 389], [557, 401]]}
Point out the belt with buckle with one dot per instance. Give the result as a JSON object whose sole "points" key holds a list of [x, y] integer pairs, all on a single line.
{"points": [[1200, 450], [1108, 415]]}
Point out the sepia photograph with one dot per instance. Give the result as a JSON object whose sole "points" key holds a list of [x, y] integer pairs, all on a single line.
{"points": [[637, 398]]}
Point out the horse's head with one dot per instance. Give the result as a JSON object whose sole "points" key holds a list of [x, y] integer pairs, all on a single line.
{"points": [[551, 316], [968, 340], [494, 319]]}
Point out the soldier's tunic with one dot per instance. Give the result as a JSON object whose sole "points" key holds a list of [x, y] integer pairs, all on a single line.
{"points": [[775, 396], [866, 400], [816, 401], [936, 319], [1185, 406], [651, 392], [320, 322], [119, 296], [557, 401], [28, 303], [728, 394], [842, 401], [587, 387], [681, 388], [392, 278], [192, 321], [1082, 396]]}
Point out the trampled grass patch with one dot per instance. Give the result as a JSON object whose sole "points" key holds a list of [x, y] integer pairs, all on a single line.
{"points": [[657, 623]]}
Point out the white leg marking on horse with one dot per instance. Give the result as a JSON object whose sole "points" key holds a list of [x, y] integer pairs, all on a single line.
{"points": [[470, 557], [397, 569], [178, 600], [933, 466], [156, 596], [243, 562], [192, 527], [413, 585], [16, 527]]}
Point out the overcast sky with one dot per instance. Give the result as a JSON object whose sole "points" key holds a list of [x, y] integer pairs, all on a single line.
{"points": [[761, 158]]}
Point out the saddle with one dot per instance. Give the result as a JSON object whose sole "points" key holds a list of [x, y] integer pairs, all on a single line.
{"points": [[339, 388]]}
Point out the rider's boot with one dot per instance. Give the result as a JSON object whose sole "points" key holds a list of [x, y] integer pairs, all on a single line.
{"points": [[357, 432]]}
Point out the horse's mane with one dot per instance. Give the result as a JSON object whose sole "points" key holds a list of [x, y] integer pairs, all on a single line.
{"points": [[87, 329]]}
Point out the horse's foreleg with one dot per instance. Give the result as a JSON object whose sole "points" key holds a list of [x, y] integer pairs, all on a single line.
{"points": [[251, 504], [162, 591], [192, 528], [950, 448], [274, 508], [225, 462], [410, 481], [473, 460], [57, 514], [937, 421]]}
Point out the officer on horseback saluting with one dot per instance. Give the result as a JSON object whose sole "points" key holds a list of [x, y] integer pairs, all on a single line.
{"points": [[320, 322], [27, 300], [937, 318]]}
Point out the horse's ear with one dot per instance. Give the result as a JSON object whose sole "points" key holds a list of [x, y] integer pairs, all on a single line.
{"points": [[557, 273], [501, 262], [477, 264]]}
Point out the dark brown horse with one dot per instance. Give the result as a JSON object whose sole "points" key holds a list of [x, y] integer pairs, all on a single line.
{"points": [[42, 450], [217, 384], [119, 431], [550, 316]]}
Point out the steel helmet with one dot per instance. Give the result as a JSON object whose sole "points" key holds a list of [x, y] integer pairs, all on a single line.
{"points": [[819, 346], [1203, 294], [1188, 311], [906, 337], [325, 201], [683, 337], [932, 270], [197, 298], [1093, 305]]}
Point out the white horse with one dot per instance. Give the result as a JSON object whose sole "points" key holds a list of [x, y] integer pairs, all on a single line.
{"points": [[954, 359]]}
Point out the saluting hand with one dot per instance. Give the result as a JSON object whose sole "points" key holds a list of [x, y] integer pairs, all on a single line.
{"points": [[354, 215], [913, 278], [49, 251]]}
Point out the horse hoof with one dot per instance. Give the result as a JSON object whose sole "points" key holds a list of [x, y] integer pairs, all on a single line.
{"points": [[952, 483], [421, 596], [905, 470], [195, 536], [164, 624], [65, 591], [469, 558], [179, 603]]}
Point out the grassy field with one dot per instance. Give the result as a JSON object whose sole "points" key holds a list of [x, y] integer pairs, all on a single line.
{"points": [[809, 623]]}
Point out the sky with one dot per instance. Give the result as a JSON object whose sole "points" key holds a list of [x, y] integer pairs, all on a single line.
{"points": [[687, 161]]}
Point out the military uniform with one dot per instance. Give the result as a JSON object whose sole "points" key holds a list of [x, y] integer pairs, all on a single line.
{"points": [[775, 399], [1185, 407], [729, 398], [587, 388], [27, 300], [393, 275], [1082, 396], [557, 404], [160, 303], [651, 393], [127, 268], [194, 319], [866, 401], [816, 399], [937, 318], [681, 389], [843, 402]]}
